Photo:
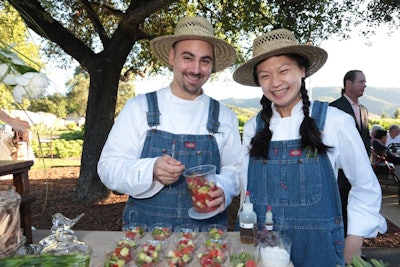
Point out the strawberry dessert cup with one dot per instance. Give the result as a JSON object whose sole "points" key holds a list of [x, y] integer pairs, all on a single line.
{"points": [[201, 182]]}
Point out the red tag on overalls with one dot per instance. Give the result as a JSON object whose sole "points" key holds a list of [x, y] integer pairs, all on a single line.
{"points": [[190, 145], [295, 152]]}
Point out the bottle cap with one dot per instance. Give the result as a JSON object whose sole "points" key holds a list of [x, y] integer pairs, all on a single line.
{"points": [[247, 198]]}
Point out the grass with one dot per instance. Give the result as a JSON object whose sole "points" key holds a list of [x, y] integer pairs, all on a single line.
{"points": [[50, 163]]}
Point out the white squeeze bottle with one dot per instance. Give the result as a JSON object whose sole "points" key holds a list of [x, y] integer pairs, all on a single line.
{"points": [[269, 223], [247, 221]]}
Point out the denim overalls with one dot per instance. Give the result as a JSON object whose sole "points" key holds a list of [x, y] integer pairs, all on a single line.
{"points": [[172, 203], [301, 188]]}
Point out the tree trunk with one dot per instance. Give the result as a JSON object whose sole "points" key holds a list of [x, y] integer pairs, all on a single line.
{"points": [[99, 120]]}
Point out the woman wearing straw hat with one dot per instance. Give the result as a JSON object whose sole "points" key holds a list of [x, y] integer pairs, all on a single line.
{"points": [[292, 151], [160, 134]]}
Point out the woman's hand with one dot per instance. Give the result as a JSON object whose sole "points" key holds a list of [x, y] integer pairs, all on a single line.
{"points": [[352, 247]]}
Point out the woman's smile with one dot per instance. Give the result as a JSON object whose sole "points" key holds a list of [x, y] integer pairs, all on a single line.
{"points": [[280, 93]]}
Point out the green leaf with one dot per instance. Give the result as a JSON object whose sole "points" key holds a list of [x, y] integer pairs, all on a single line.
{"points": [[23, 68]]}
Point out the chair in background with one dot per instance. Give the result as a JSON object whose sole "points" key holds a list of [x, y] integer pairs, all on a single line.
{"points": [[384, 170]]}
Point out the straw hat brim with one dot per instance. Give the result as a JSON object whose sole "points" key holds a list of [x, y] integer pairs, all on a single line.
{"points": [[316, 57], [224, 53]]}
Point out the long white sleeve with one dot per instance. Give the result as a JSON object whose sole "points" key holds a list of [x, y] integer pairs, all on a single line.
{"points": [[120, 167], [348, 153]]}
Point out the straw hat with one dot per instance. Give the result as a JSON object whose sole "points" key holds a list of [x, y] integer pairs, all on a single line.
{"points": [[274, 43], [194, 28]]}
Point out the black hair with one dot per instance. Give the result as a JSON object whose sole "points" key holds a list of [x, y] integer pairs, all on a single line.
{"points": [[349, 76], [310, 134], [380, 133]]}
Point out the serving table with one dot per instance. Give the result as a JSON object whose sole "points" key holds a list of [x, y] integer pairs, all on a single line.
{"points": [[19, 169], [103, 242]]}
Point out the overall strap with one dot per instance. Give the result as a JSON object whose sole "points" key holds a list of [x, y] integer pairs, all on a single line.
{"points": [[319, 113], [213, 114], [153, 114]]}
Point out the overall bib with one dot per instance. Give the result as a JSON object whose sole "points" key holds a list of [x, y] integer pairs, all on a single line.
{"points": [[301, 188], [171, 204]]}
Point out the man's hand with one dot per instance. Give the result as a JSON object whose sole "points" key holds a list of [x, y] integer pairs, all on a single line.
{"points": [[167, 170]]}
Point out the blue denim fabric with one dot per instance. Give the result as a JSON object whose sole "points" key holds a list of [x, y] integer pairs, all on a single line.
{"points": [[301, 188], [172, 203]]}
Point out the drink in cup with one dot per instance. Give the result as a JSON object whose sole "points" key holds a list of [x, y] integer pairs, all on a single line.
{"points": [[201, 182]]}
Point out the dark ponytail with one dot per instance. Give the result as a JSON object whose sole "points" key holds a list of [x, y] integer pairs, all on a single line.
{"points": [[309, 132], [260, 142]]}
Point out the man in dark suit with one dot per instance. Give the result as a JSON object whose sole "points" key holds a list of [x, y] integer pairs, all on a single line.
{"points": [[354, 84]]}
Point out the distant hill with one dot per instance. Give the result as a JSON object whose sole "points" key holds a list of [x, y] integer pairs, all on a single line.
{"points": [[247, 103], [377, 100]]}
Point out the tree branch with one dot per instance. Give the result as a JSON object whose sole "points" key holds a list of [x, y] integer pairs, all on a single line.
{"points": [[108, 10], [96, 23], [37, 19], [132, 70], [143, 9]]}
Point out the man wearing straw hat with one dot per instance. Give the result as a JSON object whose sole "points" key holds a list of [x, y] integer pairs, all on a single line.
{"points": [[292, 150], [158, 135]]}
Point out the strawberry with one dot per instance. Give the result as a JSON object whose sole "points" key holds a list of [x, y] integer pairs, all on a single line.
{"points": [[215, 233], [188, 235], [212, 258], [243, 259], [200, 190], [161, 233], [122, 253], [134, 232], [251, 263], [148, 254]]}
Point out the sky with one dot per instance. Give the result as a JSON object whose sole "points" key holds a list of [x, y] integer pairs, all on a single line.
{"points": [[378, 58]]}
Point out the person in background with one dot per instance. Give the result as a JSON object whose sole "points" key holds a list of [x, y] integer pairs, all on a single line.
{"points": [[292, 150], [394, 136], [373, 130], [380, 147], [158, 135], [354, 84]]}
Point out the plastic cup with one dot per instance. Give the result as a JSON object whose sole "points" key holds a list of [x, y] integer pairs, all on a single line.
{"points": [[201, 181], [245, 254], [135, 230], [275, 252], [189, 231], [261, 233]]}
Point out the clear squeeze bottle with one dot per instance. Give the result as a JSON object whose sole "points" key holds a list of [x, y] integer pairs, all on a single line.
{"points": [[247, 221], [269, 223]]}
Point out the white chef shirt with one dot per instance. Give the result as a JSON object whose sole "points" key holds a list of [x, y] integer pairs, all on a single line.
{"points": [[120, 167], [395, 140], [347, 153]]}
